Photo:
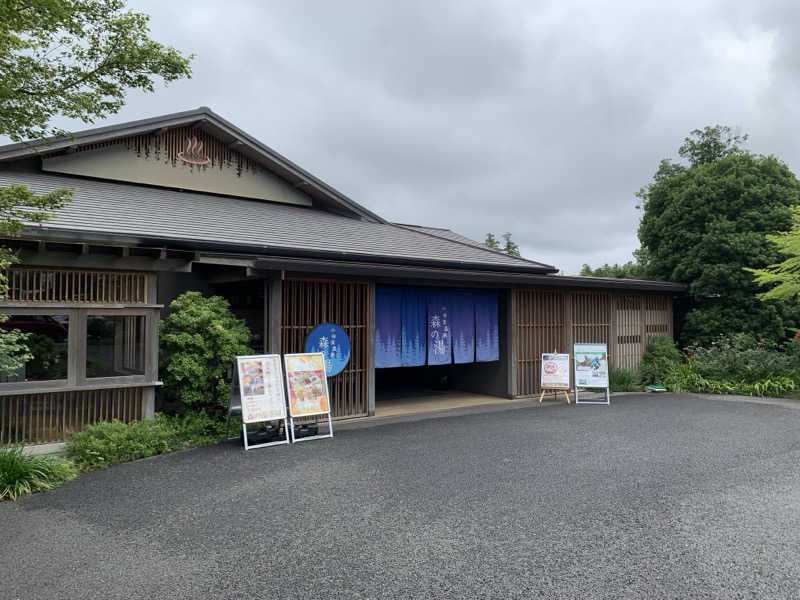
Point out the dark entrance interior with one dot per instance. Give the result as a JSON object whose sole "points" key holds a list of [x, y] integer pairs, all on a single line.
{"points": [[247, 302], [441, 381]]}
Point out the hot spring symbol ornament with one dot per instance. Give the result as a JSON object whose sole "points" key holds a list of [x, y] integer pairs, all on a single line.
{"points": [[333, 343]]}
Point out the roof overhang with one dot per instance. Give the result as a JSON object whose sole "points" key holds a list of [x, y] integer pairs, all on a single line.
{"points": [[461, 276], [268, 252]]}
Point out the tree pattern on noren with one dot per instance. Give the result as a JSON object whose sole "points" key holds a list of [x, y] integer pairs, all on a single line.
{"points": [[415, 326]]}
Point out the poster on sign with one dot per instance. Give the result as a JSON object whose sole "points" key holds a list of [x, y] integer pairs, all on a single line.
{"points": [[307, 385], [555, 371], [554, 374], [591, 370], [261, 393]]}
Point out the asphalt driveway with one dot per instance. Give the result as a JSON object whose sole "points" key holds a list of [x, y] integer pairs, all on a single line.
{"points": [[654, 497]]}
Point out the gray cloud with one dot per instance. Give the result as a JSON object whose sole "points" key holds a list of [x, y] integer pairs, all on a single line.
{"points": [[538, 118]]}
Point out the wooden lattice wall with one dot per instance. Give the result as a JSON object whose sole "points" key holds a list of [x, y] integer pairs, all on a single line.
{"points": [[305, 304], [548, 319], [50, 417], [540, 326], [36, 284]]}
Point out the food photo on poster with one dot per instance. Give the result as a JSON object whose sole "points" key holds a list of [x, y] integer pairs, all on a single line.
{"points": [[307, 384]]}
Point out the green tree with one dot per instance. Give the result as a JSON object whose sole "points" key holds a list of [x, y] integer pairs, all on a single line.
{"points": [[783, 278], [510, 247], [65, 58], [74, 58], [199, 340], [628, 270], [704, 221]]}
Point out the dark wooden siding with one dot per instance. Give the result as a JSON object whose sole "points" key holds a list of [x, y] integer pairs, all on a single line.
{"points": [[308, 302], [51, 416], [549, 319]]}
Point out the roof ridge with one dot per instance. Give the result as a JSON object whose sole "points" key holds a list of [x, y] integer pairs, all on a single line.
{"points": [[481, 247]]}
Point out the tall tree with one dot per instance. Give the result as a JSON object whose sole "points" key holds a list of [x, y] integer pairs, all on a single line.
{"points": [[66, 58], [510, 247], [628, 270], [491, 242], [704, 221], [783, 278], [77, 59]]}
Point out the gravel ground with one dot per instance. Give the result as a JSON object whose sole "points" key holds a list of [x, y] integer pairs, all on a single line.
{"points": [[654, 497]]}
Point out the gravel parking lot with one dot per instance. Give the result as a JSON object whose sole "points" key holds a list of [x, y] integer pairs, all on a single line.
{"points": [[653, 497]]}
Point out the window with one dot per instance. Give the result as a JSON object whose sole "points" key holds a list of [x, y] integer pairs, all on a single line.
{"points": [[47, 341], [115, 345]]}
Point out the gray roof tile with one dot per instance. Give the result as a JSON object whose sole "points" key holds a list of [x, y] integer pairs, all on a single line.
{"points": [[104, 207]]}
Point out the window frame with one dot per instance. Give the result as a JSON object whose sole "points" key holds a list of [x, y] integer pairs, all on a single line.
{"points": [[76, 349]]}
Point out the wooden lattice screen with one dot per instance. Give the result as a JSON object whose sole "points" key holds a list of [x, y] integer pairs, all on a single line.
{"points": [[50, 417], [540, 327], [33, 284], [629, 331], [590, 318], [306, 304], [639, 317], [656, 316], [622, 321]]}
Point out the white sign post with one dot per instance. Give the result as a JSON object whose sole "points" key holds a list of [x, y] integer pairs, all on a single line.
{"points": [[555, 374], [307, 385], [261, 391], [591, 370]]}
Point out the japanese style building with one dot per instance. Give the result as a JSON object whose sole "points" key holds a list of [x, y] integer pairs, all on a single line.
{"points": [[188, 201]]}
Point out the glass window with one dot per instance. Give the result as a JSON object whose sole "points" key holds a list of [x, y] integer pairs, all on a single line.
{"points": [[114, 345], [47, 342]]}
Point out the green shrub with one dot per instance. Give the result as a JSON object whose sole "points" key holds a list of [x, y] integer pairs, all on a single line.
{"points": [[660, 357], [623, 380], [198, 428], [200, 339], [22, 474], [742, 357], [115, 442], [687, 377]]}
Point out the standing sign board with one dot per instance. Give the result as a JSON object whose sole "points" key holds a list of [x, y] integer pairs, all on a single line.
{"points": [[308, 389], [555, 374], [591, 370], [261, 391]]}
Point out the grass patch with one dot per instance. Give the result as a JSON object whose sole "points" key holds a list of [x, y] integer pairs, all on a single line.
{"points": [[623, 380], [22, 474]]}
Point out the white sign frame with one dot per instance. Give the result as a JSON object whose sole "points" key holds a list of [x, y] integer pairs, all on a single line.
{"points": [[262, 358], [563, 360], [327, 397], [584, 348]]}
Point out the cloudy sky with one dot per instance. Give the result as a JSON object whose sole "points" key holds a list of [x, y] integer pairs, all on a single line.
{"points": [[533, 117]]}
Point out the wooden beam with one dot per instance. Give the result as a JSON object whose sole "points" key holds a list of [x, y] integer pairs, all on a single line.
{"points": [[102, 261]]}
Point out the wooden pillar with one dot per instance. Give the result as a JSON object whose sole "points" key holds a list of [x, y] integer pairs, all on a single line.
{"points": [[613, 338], [273, 317], [149, 409], [568, 323], [371, 349], [511, 342]]}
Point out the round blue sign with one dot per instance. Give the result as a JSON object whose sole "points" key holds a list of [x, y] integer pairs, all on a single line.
{"points": [[334, 344]]}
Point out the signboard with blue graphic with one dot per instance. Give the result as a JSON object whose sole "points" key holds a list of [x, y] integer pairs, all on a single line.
{"points": [[333, 343]]}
